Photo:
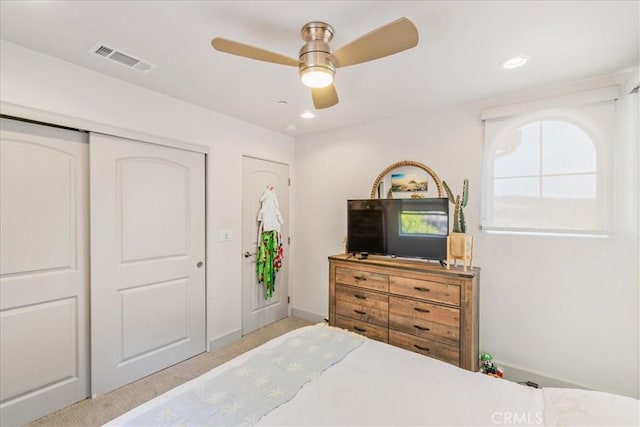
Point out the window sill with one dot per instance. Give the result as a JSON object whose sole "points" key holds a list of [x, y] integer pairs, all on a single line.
{"points": [[546, 233]]}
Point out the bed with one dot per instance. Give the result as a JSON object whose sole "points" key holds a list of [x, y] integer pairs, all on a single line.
{"points": [[321, 375]]}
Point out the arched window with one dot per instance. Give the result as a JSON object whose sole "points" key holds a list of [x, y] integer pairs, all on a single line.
{"points": [[546, 172]]}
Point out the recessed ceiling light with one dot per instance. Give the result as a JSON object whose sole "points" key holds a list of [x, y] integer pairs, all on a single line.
{"points": [[514, 62], [307, 115]]}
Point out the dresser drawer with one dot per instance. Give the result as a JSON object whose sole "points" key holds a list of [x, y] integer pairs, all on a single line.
{"points": [[362, 305], [425, 289], [378, 333], [363, 279], [425, 311], [425, 329], [427, 347]]}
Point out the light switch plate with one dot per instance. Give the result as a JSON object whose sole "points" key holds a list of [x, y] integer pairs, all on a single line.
{"points": [[226, 235]]}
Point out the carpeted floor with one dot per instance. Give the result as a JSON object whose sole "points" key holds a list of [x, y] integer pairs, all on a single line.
{"points": [[95, 412]]}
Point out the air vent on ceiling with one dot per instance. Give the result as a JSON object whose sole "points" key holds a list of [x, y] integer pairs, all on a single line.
{"points": [[121, 57]]}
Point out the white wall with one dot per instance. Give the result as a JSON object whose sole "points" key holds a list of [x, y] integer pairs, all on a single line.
{"points": [[565, 308], [42, 82]]}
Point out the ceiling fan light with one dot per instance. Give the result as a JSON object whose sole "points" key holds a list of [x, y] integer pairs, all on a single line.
{"points": [[316, 77]]}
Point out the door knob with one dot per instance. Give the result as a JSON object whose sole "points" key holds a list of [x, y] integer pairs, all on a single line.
{"points": [[199, 264], [248, 254]]}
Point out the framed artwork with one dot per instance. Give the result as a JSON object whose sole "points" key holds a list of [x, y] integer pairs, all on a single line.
{"points": [[404, 182], [406, 179]]}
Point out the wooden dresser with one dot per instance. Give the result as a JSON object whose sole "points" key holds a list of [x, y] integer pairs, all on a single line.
{"points": [[412, 304]]}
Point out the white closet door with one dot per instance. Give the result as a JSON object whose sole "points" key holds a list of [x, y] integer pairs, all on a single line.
{"points": [[43, 270], [147, 259]]}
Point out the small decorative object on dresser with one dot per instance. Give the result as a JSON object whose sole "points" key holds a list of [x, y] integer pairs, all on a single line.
{"points": [[407, 303], [459, 243]]}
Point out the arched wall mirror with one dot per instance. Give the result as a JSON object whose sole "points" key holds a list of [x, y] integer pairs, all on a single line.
{"points": [[407, 179]]}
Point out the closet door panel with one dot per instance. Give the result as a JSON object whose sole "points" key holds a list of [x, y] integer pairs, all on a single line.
{"points": [[43, 270], [146, 186], [36, 241], [25, 366], [147, 268]]}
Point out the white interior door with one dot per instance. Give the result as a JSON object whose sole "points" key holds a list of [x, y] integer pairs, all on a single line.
{"points": [[147, 259], [257, 176], [44, 284]]}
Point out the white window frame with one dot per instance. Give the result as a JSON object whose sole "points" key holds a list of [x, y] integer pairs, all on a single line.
{"points": [[515, 116]]}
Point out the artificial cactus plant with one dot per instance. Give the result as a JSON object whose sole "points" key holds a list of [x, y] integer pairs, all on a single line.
{"points": [[460, 202]]}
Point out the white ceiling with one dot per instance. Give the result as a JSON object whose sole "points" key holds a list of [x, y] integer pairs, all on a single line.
{"points": [[456, 60]]}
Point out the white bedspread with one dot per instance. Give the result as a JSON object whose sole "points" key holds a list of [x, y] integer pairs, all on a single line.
{"points": [[378, 384], [243, 394]]}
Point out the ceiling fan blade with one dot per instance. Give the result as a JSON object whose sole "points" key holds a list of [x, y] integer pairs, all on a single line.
{"points": [[392, 38], [324, 97], [241, 49]]}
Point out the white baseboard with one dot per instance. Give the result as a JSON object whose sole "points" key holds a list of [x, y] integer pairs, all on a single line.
{"points": [[307, 315], [225, 340], [520, 375]]}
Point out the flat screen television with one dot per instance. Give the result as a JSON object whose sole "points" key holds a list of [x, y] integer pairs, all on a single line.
{"points": [[411, 228]]}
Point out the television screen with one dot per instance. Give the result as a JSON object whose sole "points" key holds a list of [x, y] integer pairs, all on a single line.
{"points": [[415, 228], [366, 227]]}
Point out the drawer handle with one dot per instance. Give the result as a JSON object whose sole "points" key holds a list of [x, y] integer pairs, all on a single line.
{"points": [[360, 312], [421, 289], [421, 310], [359, 296], [421, 328], [363, 278], [359, 329], [421, 348]]}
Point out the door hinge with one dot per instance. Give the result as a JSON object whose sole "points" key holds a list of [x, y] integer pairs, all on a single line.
{"points": [[288, 240], [289, 182], [288, 300]]}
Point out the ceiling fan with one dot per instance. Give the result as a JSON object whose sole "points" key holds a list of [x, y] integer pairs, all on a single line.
{"points": [[317, 65]]}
